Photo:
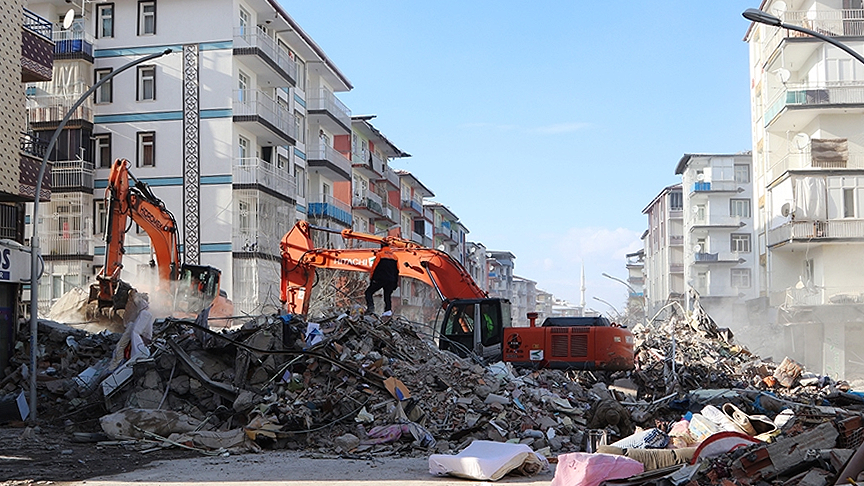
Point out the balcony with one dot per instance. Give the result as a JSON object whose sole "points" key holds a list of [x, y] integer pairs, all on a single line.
{"points": [[73, 44], [262, 115], [412, 205], [416, 237], [272, 64], [445, 233], [68, 243], [46, 111], [324, 107], [32, 151], [725, 257], [32, 146], [718, 222], [330, 208], [833, 23], [836, 94], [255, 173], [368, 204], [389, 213], [37, 49], [72, 176], [811, 295], [9, 215], [716, 186], [329, 162], [390, 177], [372, 167], [804, 161], [816, 231]]}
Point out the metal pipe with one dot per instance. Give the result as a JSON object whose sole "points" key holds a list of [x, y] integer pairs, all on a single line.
{"points": [[34, 239]]}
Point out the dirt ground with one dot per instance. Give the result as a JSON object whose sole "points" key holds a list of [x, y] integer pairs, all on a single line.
{"points": [[49, 456]]}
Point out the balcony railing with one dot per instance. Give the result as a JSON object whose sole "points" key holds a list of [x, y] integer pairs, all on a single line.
{"points": [[416, 237], [252, 170], [389, 212], [807, 94], [833, 23], [69, 42], [391, 177], [37, 25], [32, 146], [715, 186], [809, 295], [368, 200], [245, 37], [717, 220], [372, 163], [412, 205], [253, 102], [68, 242], [52, 108], [816, 230], [804, 160], [328, 153], [325, 100], [72, 174], [326, 206]]}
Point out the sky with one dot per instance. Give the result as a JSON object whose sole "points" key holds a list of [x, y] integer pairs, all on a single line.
{"points": [[545, 126]]}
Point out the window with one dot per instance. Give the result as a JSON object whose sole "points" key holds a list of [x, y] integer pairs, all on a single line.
{"points": [[300, 178], [243, 23], [146, 17], [676, 201], [300, 125], [741, 278], [739, 207], [102, 150], [242, 87], [105, 20], [104, 93], [742, 173], [242, 149], [740, 243], [100, 217], [146, 83], [146, 149], [281, 161], [848, 203], [301, 74], [700, 213]]}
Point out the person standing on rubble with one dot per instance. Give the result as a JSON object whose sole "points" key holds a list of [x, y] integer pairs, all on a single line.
{"points": [[384, 275]]}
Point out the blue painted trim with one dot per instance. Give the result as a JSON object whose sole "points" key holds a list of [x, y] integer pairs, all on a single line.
{"points": [[216, 179], [301, 208], [134, 51], [152, 181], [214, 46], [300, 101], [139, 117], [27, 218], [216, 113], [299, 153], [215, 247]]}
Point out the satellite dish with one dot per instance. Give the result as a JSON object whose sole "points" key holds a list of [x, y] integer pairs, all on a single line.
{"points": [[68, 19], [697, 248], [700, 177], [802, 140], [778, 8], [783, 74], [785, 210]]}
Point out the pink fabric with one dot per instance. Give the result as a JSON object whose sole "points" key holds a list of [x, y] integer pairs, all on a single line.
{"points": [[583, 469]]}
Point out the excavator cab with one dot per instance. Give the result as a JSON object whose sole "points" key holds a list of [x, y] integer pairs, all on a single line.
{"points": [[475, 326], [198, 286]]}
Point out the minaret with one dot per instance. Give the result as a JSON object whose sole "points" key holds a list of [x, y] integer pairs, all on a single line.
{"points": [[582, 302]]}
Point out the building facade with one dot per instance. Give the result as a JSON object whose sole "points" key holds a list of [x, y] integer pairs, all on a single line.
{"points": [[664, 249], [808, 154], [720, 262]]}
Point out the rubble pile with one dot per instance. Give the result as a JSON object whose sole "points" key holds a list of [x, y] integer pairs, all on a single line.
{"points": [[354, 385]]}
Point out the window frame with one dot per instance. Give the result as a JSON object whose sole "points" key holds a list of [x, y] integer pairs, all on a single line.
{"points": [[738, 240], [743, 203], [142, 16], [107, 87], [97, 150], [737, 274], [139, 88], [848, 194], [139, 153], [100, 217], [100, 26], [746, 171]]}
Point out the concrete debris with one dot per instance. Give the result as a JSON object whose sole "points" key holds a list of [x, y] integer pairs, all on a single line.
{"points": [[351, 384]]}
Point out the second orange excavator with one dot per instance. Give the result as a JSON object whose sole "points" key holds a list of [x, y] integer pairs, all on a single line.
{"points": [[194, 286], [474, 324]]}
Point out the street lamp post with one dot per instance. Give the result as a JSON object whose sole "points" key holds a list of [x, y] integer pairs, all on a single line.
{"points": [[610, 305], [632, 292], [756, 15], [34, 239]]}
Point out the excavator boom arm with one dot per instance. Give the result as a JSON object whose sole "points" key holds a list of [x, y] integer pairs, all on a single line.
{"points": [[300, 259]]}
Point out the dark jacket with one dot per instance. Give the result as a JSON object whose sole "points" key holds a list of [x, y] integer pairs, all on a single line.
{"points": [[386, 267]]}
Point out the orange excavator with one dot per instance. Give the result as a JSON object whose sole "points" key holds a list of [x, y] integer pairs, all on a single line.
{"points": [[474, 324], [196, 286]]}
